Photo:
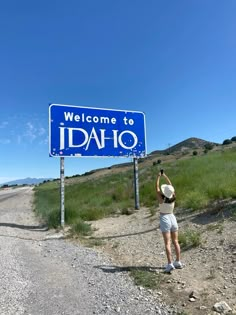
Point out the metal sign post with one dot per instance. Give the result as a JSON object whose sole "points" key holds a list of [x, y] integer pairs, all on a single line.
{"points": [[62, 167], [136, 184]]}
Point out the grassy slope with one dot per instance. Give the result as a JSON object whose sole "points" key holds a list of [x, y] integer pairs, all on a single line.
{"points": [[199, 180]]}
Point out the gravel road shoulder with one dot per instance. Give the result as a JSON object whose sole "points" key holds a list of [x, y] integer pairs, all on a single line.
{"points": [[43, 274], [210, 272]]}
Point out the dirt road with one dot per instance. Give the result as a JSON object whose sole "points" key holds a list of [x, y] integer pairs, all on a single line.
{"points": [[44, 274]]}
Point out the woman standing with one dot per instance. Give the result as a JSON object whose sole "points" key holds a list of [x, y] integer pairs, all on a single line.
{"points": [[168, 223]]}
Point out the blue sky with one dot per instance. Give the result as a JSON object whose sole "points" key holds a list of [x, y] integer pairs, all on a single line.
{"points": [[173, 60]]}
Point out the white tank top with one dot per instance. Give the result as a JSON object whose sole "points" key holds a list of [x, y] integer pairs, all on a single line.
{"points": [[167, 207]]}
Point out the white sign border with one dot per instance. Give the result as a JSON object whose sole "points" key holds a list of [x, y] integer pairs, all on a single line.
{"points": [[99, 108]]}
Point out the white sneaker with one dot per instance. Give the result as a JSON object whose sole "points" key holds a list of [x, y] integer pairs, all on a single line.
{"points": [[178, 264], [169, 268]]}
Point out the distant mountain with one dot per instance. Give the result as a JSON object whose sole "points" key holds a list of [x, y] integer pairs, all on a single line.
{"points": [[27, 181], [190, 143]]}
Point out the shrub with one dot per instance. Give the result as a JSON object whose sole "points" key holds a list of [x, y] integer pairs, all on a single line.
{"points": [[233, 139], [195, 153], [81, 228], [147, 279], [208, 146], [53, 218], [227, 141], [156, 162], [189, 239]]}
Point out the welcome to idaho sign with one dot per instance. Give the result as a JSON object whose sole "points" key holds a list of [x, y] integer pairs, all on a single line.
{"points": [[85, 131]]}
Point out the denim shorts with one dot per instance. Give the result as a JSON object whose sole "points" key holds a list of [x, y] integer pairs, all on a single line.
{"points": [[168, 223]]}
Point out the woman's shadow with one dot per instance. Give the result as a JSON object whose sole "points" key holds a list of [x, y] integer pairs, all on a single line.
{"points": [[37, 228], [113, 269]]}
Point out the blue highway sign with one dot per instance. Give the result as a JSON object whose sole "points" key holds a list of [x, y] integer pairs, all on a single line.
{"points": [[89, 132]]}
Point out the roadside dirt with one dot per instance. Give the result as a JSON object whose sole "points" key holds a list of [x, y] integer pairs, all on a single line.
{"points": [[209, 275], [43, 273]]}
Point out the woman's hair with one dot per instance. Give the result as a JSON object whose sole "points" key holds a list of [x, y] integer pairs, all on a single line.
{"points": [[168, 200]]}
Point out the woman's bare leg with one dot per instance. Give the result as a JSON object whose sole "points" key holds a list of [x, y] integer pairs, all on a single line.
{"points": [[174, 238], [167, 239]]}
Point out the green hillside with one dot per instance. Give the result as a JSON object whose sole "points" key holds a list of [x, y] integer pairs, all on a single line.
{"points": [[199, 181]]}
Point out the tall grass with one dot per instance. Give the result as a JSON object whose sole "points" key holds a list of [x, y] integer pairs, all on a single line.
{"points": [[86, 201], [201, 180], [47, 203], [198, 181], [189, 239]]}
